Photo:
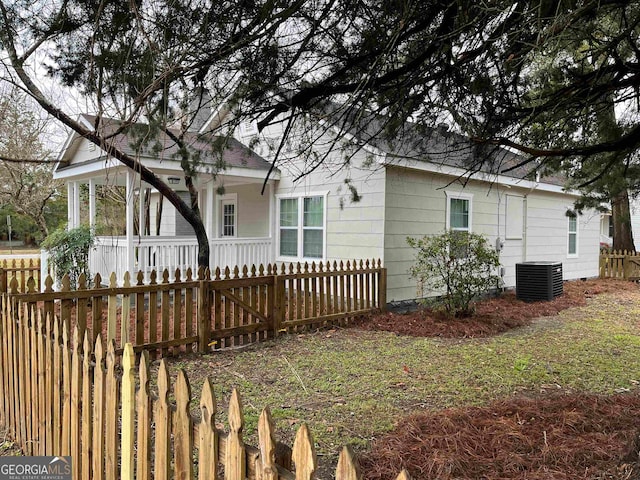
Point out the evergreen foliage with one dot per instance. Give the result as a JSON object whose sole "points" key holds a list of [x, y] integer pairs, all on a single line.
{"points": [[69, 252], [456, 265], [361, 67]]}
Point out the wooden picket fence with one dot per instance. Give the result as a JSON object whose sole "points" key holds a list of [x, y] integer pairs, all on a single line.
{"points": [[20, 270], [620, 264], [228, 308], [63, 396]]}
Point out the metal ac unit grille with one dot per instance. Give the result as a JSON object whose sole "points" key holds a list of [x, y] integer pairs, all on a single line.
{"points": [[538, 280]]}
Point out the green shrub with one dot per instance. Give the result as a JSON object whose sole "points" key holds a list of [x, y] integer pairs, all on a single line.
{"points": [[457, 265], [69, 252]]}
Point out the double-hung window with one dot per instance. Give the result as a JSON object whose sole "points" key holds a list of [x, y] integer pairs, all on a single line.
{"points": [[302, 226], [459, 219], [572, 230], [459, 211]]}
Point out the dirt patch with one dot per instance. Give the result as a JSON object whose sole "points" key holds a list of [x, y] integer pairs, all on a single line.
{"points": [[492, 315], [563, 437]]}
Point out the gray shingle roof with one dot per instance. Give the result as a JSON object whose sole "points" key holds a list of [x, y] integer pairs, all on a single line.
{"points": [[141, 140]]}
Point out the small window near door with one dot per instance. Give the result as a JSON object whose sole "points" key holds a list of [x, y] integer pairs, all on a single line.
{"points": [[572, 249], [228, 218]]}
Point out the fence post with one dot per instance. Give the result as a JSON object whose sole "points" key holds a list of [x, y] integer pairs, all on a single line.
{"points": [[204, 315], [626, 266], [276, 302], [382, 288]]}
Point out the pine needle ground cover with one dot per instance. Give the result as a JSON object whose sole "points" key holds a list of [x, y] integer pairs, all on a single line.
{"points": [[366, 387]]}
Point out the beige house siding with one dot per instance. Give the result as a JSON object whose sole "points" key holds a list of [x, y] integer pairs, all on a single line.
{"points": [[416, 205], [86, 151], [252, 210], [547, 235], [353, 229]]}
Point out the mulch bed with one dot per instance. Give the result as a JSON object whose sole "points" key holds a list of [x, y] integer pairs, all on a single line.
{"points": [[558, 437], [493, 315], [564, 437]]}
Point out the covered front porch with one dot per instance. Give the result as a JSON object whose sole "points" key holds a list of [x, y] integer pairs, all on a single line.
{"points": [[137, 229], [238, 219]]}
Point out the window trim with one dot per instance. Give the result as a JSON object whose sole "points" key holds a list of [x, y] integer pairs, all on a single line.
{"points": [[227, 199], [300, 227], [519, 205], [458, 196], [571, 215]]}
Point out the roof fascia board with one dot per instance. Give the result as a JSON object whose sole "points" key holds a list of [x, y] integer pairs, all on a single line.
{"points": [[102, 163]]}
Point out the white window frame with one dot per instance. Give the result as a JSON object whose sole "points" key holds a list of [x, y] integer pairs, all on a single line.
{"points": [[569, 233], [514, 216], [458, 196], [300, 227], [227, 199]]}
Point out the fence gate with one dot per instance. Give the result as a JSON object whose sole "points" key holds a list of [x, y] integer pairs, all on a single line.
{"points": [[241, 309]]}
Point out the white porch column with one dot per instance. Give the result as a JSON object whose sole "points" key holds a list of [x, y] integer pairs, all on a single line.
{"points": [[70, 205], [129, 222], [141, 225], [272, 220], [76, 204], [92, 203], [209, 220], [73, 205]]}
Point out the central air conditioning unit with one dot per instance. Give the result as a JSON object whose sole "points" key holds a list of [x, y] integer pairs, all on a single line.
{"points": [[538, 281]]}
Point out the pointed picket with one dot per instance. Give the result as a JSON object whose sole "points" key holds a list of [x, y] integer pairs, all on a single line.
{"points": [[128, 403], [144, 421], [162, 417], [183, 429], [76, 388], [111, 414], [347, 466], [304, 454], [65, 437], [87, 417], [235, 465], [404, 475], [267, 469], [98, 412], [207, 434]]}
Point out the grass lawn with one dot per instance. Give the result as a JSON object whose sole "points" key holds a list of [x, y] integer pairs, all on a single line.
{"points": [[351, 386]]}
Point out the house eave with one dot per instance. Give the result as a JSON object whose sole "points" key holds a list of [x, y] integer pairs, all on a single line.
{"points": [[457, 172], [89, 168]]}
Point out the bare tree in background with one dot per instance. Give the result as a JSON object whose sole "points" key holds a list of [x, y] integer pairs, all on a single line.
{"points": [[26, 165]]}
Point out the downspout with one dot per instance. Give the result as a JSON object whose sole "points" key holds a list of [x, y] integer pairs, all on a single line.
{"points": [[499, 241], [525, 222]]}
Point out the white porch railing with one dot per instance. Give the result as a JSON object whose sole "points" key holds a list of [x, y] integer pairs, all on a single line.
{"points": [[158, 253], [229, 252]]}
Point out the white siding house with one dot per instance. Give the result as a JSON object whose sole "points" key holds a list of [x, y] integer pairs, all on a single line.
{"points": [[313, 218]]}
